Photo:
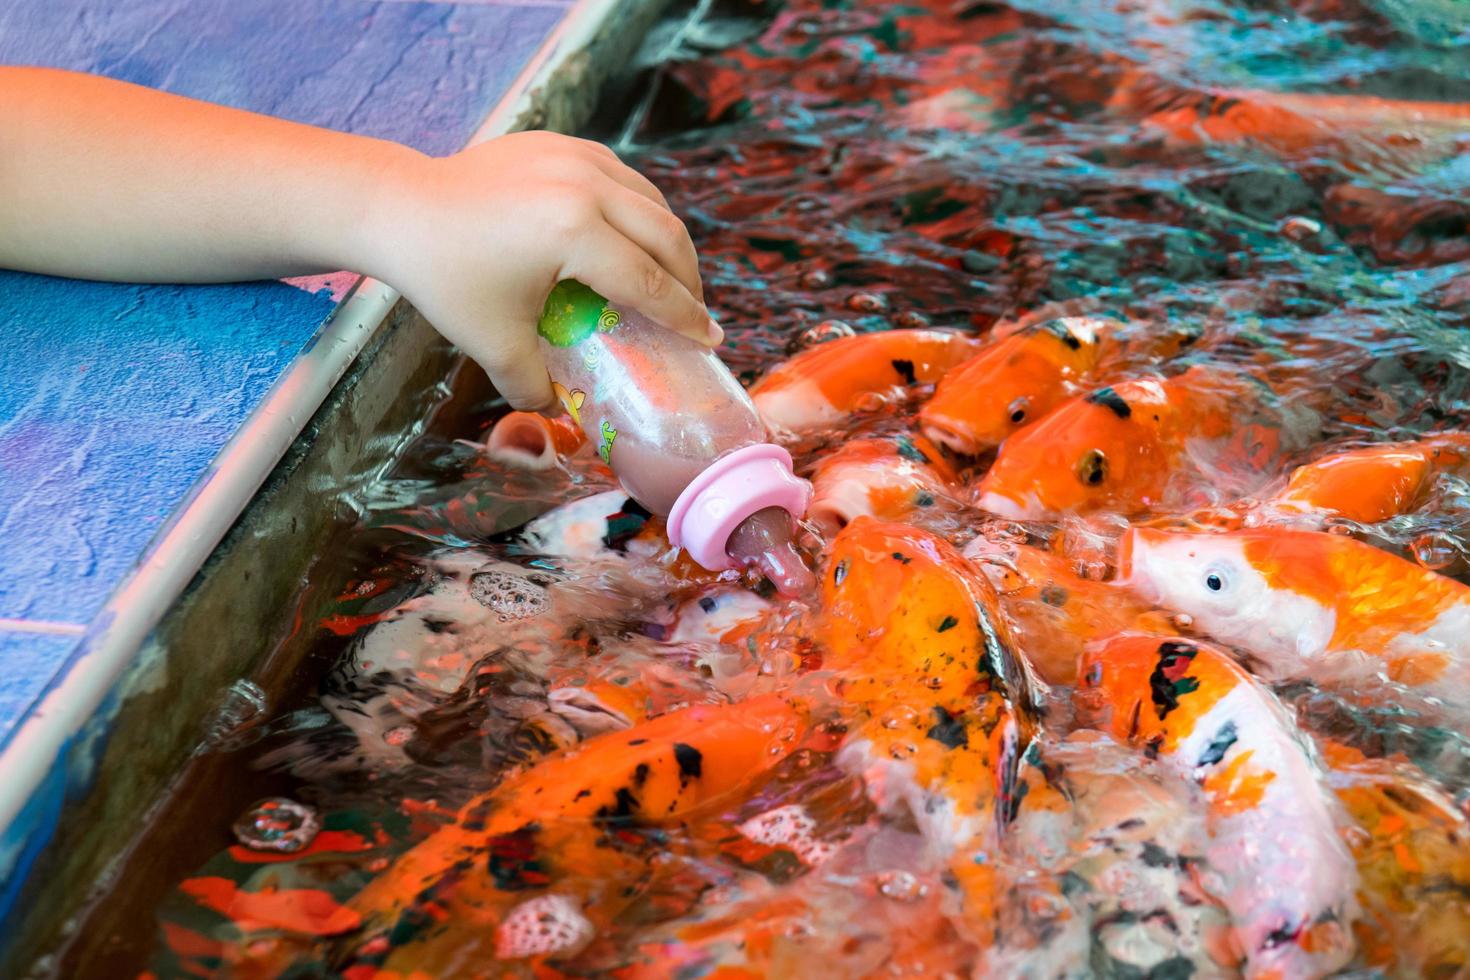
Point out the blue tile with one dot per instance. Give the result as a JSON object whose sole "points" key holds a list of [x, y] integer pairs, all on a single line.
{"points": [[29, 661], [425, 74], [113, 401]]}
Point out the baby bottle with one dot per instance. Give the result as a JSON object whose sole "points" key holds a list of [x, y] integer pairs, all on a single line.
{"points": [[681, 434]]}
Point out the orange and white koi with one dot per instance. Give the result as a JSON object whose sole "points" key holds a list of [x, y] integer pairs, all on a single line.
{"points": [[823, 385], [1373, 483], [1014, 381], [1054, 611], [1291, 598], [888, 477], [533, 442], [915, 636], [1275, 857], [1412, 846], [1106, 851], [534, 867], [722, 615], [1137, 444]]}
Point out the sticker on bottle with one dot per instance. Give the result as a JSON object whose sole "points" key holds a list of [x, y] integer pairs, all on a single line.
{"points": [[609, 434], [573, 313], [570, 400]]}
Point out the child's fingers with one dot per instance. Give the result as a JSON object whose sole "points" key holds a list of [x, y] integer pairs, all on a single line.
{"points": [[516, 368], [658, 232], [626, 274], [609, 163]]}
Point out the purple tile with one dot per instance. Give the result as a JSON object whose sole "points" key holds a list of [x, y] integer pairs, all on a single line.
{"points": [[425, 74], [29, 660]]}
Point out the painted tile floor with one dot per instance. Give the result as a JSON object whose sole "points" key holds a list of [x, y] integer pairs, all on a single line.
{"points": [[114, 399]]}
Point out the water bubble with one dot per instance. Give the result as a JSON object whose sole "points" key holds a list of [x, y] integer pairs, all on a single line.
{"points": [[511, 596], [277, 824], [911, 320], [867, 303], [816, 279], [1297, 228], [901, 886], [241, 709], [1434, 551], [823, 332]]}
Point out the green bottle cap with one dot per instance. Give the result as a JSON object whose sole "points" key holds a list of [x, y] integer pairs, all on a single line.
{"points": [[573, 313]]}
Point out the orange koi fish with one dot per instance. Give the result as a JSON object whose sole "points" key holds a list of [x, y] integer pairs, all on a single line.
{"points": [[1013, 382], [1055, 612], [823, 385], [1290, 598], [1412, 846], [533, 442], [1373, 483], [1301, 125], [1134, 445], [914, 634], [534, 867], [1119, 843], [887, 477], [1275, 858]]}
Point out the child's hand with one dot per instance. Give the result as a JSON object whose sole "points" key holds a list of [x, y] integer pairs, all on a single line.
{"points": [[193, 192], [477, 240]]}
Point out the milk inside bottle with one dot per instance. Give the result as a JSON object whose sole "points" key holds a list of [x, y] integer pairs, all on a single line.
{"points": [[681, 434]]}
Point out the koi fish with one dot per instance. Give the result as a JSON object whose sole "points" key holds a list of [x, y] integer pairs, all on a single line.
{"points": [[592, 526], [1290, 598], [723, 615], [887, 478], [1303, 125], [1275, 857], [533, 442], [1412, 847], [1054, 612], [1373, 483], [1107, 850], [1137, 444], [914, 634], [1013, 382], [534, 867], [823, 385]]}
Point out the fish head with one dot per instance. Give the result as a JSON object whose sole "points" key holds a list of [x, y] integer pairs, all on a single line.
{"points": [[1010, 384], [886, 478], [1113, 683], [904, 611], [1100, 451], [1212, 579]]}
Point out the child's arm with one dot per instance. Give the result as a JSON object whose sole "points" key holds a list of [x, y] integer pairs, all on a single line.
{"points": [[106, 180]]}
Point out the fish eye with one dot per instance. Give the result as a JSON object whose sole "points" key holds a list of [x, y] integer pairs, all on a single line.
{"points": [[1092, 468], [1017, 410], [1216, 580]]}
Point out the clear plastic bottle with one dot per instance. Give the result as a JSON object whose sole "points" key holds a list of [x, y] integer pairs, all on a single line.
{"points": [[683, 437]]}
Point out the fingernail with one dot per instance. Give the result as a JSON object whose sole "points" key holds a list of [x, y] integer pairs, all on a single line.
{"points": [[716, 335]]}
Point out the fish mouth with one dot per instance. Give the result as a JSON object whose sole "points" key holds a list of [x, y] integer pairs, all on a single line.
{"points": [[838, 504], [524, 440], [1002, 505], [947, 434]]}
